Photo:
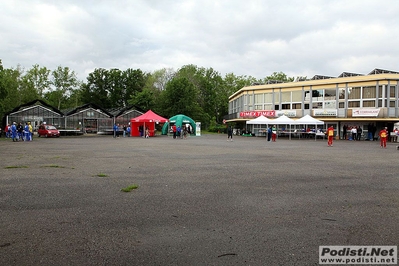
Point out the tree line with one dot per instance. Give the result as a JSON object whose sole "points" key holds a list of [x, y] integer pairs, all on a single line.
{"points": [[200, 93]]}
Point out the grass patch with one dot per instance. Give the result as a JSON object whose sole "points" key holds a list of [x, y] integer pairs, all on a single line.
{"points": [[15, 166], [53, 166], [102, 175], [130, 188]]}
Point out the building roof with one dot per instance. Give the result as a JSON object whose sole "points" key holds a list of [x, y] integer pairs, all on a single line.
{"points": [[33, 103]]}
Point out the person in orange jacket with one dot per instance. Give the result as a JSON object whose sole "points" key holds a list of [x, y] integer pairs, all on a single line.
{"points": [[330, 136], [383, 137]]}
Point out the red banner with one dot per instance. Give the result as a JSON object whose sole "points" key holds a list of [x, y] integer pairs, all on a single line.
{"points": [[267, 113]]}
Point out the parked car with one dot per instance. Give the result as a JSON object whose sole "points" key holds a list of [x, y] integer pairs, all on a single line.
{"points": [[48, 131]]}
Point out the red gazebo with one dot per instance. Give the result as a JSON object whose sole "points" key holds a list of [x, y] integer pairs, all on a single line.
{"points": [[144, 121]]}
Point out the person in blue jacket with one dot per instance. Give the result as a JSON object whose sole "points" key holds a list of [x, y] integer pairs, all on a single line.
{"points": [[14, 132], [269, 133]]}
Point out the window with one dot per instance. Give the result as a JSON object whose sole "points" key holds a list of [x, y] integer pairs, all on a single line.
{"points": [[369, 92], [268, 97], [330, 94], [317, 105], [392, 91], [285, 106], [341, 105], [296, 106], [317, 95], [286, 97], [276, 96], [297, 96], [330, 104], [268, 107], [258, 98], [353, 104], [276, 107], [341, 92], [391, 103], [258, 106], [368, 103], [354, 93], [379, 91], [306, 106]]}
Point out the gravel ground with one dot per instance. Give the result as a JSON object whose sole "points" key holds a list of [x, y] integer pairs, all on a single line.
{"points": [[200, 201]]}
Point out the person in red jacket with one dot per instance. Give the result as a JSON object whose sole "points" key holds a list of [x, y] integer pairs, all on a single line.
{"points": [[330, 135], [383, 137]]}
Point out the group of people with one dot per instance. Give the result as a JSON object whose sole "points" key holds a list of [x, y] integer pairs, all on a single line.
{"points": [[18, 132], [126, 130], [355, 133], [180, 132]]}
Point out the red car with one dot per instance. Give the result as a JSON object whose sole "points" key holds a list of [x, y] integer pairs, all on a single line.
{"points": [[48, 131]]}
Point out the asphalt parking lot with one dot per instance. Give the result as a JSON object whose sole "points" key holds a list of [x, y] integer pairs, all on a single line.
{"points": [[200, 201]]}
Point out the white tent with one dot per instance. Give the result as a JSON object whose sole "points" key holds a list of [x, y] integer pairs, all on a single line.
{"points": [[283, 120], [261, 120], [308, 120]]}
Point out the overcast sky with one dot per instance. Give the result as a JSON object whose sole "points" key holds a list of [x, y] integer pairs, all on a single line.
{"points": [[253, 38]]}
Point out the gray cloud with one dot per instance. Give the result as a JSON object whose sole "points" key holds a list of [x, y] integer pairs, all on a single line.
{"points": [[244, 37]]}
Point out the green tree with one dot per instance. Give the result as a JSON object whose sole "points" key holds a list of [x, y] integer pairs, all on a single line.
{"points": [[278, 76], [10, 96], [96, 89], [180, 97], [37, 80], [64, 81]]}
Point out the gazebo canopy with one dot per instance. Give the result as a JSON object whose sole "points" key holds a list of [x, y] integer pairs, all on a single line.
{"points": [[308, 120], [261, 120]]}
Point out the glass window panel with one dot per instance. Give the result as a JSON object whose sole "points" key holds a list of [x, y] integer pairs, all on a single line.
{"points": [[369, 92], [297, 96], [307, 96], [330, 94], [391, 103], [330, 104], [353, 104], [296, 106], [285, 106], [392, 91], [286, 96], [268, 97], [341, 105], [276, 96], [318, 105], [317, 95], [354, 93], [258, 98], [341, 92], [368, 103], [379, 91]]}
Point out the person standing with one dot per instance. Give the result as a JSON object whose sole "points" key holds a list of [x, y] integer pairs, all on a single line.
{"points": [[30, 131], [26, 132], [344, 130], [330, 136], [174, 130], [383, 137], [354, 132], [370, 131], [359, 133], [14, 132], [116, 130], [269, 133], [229, 134], [124, 130], [274, 133]]}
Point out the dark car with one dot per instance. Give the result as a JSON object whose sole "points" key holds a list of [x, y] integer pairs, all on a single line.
{"points": [[48, 131]]}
